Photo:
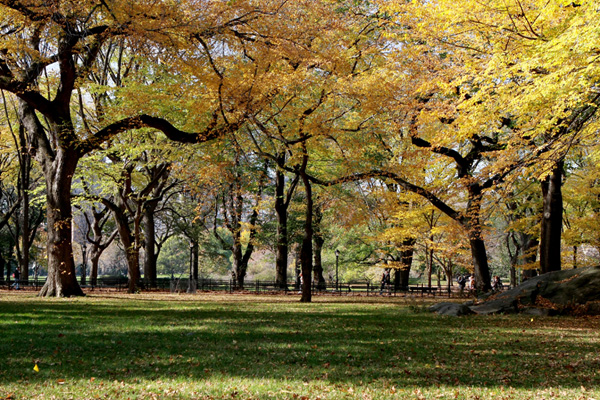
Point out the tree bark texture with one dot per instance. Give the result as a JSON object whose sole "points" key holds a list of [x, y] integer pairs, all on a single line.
{"points": [[472, 223], [61, 280], [551, 225]]}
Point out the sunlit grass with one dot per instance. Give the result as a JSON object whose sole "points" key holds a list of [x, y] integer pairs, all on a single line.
{"points": [[233, 346]]}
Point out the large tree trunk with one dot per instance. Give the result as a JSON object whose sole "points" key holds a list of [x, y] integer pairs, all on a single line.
{"points": [[61, 280], [472, 223], [402, 275], [58, 169], [481, 269], [551, 226]]}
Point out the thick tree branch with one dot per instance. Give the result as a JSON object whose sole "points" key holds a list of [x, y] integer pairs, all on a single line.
{"points": [[212, 131]]}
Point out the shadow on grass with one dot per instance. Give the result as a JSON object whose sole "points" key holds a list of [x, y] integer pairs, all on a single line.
{"points": [[117, 339]]}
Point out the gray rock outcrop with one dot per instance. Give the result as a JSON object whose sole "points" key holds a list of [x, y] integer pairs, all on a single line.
{"points": [[573, 291]]}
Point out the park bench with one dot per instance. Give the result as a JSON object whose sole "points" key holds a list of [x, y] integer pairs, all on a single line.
{"points": [[424, 289]]}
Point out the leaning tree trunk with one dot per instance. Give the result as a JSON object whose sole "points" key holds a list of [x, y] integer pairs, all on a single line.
{"points": [[61, 280], [551, 226]]}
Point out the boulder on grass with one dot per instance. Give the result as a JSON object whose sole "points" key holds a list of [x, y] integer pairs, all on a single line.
{"points": [[453, 309], [572, 291], [561, 291]]}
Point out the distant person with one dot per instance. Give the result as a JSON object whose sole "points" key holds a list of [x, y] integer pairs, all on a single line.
{"points": [[385, 280], [17, 276], [496, 284], [471, 284], [461, 280]]}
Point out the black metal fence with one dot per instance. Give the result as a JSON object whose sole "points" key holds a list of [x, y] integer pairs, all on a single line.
{"points": [[184, 285]]}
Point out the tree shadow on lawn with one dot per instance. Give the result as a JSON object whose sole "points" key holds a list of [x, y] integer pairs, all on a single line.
{"points": [[337, 343]]}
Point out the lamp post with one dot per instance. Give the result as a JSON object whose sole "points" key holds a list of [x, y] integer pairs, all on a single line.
{"points": [[337, 257], [84, 263], [190, 288]]}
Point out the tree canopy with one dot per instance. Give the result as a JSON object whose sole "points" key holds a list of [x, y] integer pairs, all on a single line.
{"points": [[470, 121]]}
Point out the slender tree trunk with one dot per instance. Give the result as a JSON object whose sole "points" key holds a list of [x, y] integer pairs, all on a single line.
{"points": [[513, 276], [514, 259], [448, 270], [132, 254], [25, 180], [551, 226], [195, 256], [238, 255], [2, 266], [150, 273], [129, 240], [95, 254], [318, 248], [133, 264], [318, 264], [281, 209], [306, 251], [429, 265]]}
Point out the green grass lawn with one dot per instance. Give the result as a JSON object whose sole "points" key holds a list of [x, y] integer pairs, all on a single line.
{"points": [[242, 347]]}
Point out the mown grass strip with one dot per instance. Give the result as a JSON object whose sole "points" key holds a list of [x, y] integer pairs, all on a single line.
{"points": [[224, 346]]}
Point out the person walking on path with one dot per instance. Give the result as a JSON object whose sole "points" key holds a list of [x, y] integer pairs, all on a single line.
{"points": [[16, 275]]}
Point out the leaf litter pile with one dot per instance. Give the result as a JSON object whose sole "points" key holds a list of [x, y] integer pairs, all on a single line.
{"points": [[247, 347]]}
